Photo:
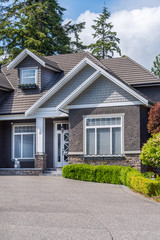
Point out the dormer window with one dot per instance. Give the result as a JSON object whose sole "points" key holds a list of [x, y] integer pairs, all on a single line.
{"points": [[28, 76]]}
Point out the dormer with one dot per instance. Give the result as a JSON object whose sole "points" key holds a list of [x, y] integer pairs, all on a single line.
{"points": [[33, 71]]}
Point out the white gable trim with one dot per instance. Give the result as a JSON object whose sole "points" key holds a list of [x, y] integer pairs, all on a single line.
{"points": [[115, 104], [57, 86], [90, 80], [22, 56], [79, 89], [71, 74]]}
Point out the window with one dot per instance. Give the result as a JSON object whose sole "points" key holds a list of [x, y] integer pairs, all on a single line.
{"points": [[28, 76], [24, 141], [103, 136]]}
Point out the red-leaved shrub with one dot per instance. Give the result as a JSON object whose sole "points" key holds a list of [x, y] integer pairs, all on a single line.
{"points": [[154, 119]]}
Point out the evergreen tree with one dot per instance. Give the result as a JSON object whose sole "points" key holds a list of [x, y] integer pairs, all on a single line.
{"points": [[33, 24], [76, 45], [156, 66], [107, 40]]}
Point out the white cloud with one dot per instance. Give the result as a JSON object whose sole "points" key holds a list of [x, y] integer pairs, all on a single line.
{"points": [[138, 31]]}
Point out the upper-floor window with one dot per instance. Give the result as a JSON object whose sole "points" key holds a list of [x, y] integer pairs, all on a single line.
{"points": [[28, 76]]}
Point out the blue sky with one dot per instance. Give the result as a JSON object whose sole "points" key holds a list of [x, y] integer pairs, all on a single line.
{"points": [[75, 7], [137, 23]]}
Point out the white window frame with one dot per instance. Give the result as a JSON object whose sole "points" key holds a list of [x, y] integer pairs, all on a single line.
{"points": [[29, 68], [13, 142], [85, 127]]}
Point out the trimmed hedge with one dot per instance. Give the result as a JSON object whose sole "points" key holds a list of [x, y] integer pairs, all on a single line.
{"points": [[113, 174]]}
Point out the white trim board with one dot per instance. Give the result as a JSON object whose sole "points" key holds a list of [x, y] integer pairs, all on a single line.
{"points": [[71, 74], [116, 104], [41, 112], [22, 56], [132, 152], [90, 80]]}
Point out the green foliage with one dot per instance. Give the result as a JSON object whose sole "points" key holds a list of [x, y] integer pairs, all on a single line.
{"points": [[156, 66], [150, 154], [36, 25], [27, 86], [154, 119], [114, 175], [146, 186], [76, 45], [107, 40], [149, 174]]}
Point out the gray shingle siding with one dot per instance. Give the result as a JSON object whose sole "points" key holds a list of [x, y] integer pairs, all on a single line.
{"points": [[48, 77], [103, 91], [69, 87]]}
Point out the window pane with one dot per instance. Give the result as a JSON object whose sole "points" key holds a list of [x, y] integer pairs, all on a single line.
{"points": [[28, 76], [59, 147], [28, 73], [115, 121], [28, 146], [116, 141], [17, 146], [24, 129], [90, 141], [103, 141], [28, 80]]}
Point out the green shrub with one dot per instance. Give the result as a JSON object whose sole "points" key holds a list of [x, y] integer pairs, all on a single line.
{"points": [[108, 174], [150, 154], [146, 186], [148, 174], [113, 174]]}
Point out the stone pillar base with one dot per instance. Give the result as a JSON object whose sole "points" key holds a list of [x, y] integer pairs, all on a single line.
{"points": [[40, 161]]}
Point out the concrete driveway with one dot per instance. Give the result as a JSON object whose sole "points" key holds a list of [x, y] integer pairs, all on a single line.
{"points": [[49, 207]]}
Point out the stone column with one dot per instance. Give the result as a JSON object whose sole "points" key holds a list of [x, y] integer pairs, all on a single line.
{"points": [[40, 161]]}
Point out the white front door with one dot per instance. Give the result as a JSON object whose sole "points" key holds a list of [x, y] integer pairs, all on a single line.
{"points": [[61, 144]]}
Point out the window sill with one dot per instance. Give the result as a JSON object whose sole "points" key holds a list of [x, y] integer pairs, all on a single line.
{"points": [[24, 159], [103, 157]]}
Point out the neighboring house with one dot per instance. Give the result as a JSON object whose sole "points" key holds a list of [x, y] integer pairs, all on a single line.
{"points": [[74, 108]]}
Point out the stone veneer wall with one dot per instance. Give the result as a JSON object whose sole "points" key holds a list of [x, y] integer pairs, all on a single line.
{"points": [[40, 161], [128, 160], [21, 171]]}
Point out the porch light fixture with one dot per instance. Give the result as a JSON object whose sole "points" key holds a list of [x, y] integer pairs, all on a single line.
{"points": [[62, 128]]}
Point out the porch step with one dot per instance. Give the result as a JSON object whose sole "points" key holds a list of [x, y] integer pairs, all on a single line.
{"points": [[53, 172]]}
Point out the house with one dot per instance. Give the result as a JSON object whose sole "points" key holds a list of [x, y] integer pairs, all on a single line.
{"points": [[73, 108]]}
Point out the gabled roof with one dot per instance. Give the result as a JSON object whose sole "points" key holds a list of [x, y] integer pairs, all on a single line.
{"points": [[18, 102], [41, 60], [130, 71], [75, 93]]}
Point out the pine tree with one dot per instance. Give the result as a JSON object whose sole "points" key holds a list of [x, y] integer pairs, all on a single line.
{"points": [[156, 66], [74, 29], [107, 40], [33, 24]]}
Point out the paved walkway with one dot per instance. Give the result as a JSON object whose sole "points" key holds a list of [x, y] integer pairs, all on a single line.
{"points": [[50, 208]]}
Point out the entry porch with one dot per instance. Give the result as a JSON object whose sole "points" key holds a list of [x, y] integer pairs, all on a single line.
{"points": [[38, 144]]}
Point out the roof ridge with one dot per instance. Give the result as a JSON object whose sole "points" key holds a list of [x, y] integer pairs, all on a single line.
{"points": [[88, 53], [64, 54]]}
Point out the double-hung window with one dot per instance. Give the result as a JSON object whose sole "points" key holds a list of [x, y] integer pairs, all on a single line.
{"points": [[103, 135], [24, 141], [28, 75]]}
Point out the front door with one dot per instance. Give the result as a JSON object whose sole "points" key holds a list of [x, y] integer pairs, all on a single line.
{"points": [[61, 144]]}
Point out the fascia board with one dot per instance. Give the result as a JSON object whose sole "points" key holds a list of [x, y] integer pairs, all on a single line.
{"points": [[21, 56], [57, 86], [78, 90]]}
